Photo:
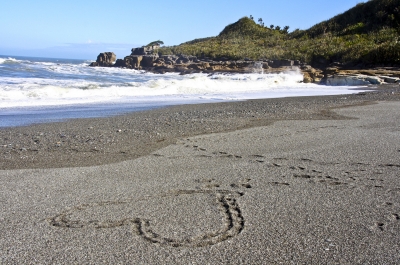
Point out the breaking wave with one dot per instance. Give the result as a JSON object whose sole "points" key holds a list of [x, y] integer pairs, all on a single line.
{"points": [[42, 82]]}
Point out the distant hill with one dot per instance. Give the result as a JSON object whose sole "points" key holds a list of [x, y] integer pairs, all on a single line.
{"points": [[367, 34], [245, 27]]}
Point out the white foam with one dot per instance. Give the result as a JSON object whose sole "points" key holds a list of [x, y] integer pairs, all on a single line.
{"points": [[8, 60], [20, 92], [53, 82]]}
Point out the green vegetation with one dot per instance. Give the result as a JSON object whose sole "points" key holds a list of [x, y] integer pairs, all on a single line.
{"points": [[157, 42], [367, 33]]}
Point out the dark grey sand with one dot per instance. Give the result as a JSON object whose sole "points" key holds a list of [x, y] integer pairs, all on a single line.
{"points": [[299, 181], [88, 142]]}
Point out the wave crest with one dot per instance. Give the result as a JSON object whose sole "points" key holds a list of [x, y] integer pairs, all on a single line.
{"points": [[9, 60]]}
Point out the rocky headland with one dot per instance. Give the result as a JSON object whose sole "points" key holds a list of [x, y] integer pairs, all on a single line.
{"points": [[358, 47], [334, 74]]}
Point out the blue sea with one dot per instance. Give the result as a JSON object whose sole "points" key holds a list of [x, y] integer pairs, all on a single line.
{"points": [[36, 90]]}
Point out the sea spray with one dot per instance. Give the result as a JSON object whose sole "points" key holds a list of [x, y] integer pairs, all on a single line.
{"points": [[257, 68]]}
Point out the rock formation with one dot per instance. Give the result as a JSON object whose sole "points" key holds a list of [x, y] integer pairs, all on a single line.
{"points": [[105, 59], [146, 58], [145, 50], [356, 79], [131, 62]]}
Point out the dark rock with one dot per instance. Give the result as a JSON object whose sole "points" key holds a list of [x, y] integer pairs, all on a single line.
{"points": [[307, 78], [347, 80], [186, 59], [390, 80], [331, 71], [133, 62], [119, 63], [222, 59], [105, 59], [281, 63], [336, 64], [148, 60], [296, 62], [319, 62], [145, 50], [169, 59], [305, 67]]}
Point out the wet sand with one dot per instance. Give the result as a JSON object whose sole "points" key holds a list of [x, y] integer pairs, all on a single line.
{"points": [[88, 142], [299, 180]]}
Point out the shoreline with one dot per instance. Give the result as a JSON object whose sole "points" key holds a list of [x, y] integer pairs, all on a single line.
{"points": [[316, 185], [99, 141], [31, 115]]}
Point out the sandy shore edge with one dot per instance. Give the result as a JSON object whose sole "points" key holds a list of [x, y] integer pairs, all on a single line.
{"points": [[97, 141]]}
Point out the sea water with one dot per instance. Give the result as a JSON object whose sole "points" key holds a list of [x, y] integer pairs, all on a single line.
{"points": [[34, 90]]}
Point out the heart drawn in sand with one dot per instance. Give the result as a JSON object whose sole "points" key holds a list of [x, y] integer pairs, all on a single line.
{"points": [[183, 218]]}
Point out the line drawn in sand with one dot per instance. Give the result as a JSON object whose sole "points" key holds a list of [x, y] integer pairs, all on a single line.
{"points": [[224, 200]]}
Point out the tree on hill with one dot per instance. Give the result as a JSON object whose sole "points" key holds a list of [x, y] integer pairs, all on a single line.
{"points": [[155, 43], [285, 30]]}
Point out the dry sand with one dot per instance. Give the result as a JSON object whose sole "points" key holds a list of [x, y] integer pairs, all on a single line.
{"points": [[303, 190]]}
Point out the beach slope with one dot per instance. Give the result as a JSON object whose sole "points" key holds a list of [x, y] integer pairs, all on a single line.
{"points": [[295, 191]]}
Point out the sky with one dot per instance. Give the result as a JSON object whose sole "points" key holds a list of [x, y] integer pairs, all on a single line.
{"points": [[81, 29]]}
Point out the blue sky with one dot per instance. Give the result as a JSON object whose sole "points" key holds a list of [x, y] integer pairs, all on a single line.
{"points": [[82, 29]]}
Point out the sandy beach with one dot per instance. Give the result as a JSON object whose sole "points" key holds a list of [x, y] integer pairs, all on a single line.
{"points": [[311, 180]]}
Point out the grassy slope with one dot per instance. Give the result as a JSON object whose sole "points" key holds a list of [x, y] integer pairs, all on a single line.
{"points": [[367, 33]]}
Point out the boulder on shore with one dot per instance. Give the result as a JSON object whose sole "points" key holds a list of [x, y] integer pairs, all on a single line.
{"points": [[148, 60], [105, 59], [351, 80], [131, 62]]}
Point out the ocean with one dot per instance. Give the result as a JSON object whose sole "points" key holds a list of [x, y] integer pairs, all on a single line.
{"points": [[37, 90]]}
